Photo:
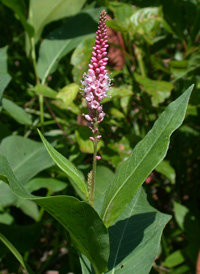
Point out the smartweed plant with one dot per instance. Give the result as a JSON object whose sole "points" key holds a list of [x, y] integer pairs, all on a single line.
{"points": [[111, 224]]}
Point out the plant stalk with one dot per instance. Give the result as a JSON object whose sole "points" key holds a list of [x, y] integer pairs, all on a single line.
{"points": [[93, 170]]}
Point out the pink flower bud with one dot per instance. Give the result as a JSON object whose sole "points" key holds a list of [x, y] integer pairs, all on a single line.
{"points": [[98, 157]]}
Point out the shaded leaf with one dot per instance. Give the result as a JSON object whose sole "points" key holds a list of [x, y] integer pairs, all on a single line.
{"points": [[16, 112], [118, 92], [62, 41], [26, 157], [45, 91], [4, 76], [68, 94], [135, 235], [81, 58], [85, 144], [53, 185], [15, 253], [174, 259], [43, 12], [166, 169], [20, 9], [158, 90]]}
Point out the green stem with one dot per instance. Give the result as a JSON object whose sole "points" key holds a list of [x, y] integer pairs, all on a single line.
{"points": [[41, 102], [93, 170], [138, 55]]}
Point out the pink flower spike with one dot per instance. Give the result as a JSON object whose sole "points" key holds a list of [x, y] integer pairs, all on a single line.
{"points": [[98, 157], [96, 82], [87, 117]]}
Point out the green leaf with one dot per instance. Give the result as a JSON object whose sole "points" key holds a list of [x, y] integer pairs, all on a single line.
{"points": [[62, 41], [79, 218], [187, 221], [144, 158], [81, 58], [118, 92], [45, 91], [85, 144], [158, 90], [29, 208], [6, 218], [135, 235], [53, 185], [174, 259], [7, 197], [145, 225], [15, 253], [16, 112], [4, 76], [68, 94], [166, 169], [42, 12], [26, 157], [19, 8], [103, 178], [66, 166]]}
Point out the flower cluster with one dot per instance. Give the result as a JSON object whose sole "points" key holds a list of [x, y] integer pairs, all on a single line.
{"points": [[97, 82]]}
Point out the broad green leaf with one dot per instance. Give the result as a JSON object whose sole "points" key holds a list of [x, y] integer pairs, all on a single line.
{"points": [[7, 197], [135, 235], [187, 221], [85, 144], [68, 94], [166, 169], [53, 185], [19, 8], [158, 90], [174, 259], [62, 41], [81, 58], [42, 12], [84, 225], [118, 92], [117, 152], [103, 178], [26, 157], [144, 158], [45, 91], [16, 112], [122, 12], [29, 208], [67, 167], [6, 218], [15, 253], [4, 76]]}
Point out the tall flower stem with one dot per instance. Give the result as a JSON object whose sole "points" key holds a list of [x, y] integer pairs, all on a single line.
{"points": [[95, 85], [92, 190]]}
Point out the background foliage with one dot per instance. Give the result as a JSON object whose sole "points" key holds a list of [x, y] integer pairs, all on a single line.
{"points": [[154, 56]]}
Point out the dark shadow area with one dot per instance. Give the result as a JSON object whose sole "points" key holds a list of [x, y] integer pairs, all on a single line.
{"points": [[80, 24], [127, 233]]}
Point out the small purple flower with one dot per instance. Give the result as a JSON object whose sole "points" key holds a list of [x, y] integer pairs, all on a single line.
{"points": [[96, 83]]}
